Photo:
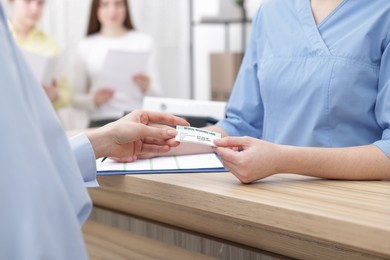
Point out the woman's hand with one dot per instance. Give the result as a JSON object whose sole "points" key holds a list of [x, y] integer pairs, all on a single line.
{"points": [[52, 91], [142, 82], [103, 95], [249, 159], [134, 134]]}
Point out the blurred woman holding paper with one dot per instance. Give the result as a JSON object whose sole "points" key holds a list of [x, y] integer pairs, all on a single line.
{"points": [[115, 66], [38, 47]]}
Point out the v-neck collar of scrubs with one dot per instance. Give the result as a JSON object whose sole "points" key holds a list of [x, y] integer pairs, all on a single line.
{"points": [[312, 29], [329, 16]]}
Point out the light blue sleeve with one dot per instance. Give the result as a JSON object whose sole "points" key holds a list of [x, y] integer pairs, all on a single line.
{"points": [[244, 114], [382, 108], [44, 202], [85, 157]]}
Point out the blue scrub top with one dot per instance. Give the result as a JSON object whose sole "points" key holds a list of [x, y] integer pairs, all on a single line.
{"points": [[42, 195], [325, 85]]}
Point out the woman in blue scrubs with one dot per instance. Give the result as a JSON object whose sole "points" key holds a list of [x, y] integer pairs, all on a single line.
{"points": [[313, 93]]}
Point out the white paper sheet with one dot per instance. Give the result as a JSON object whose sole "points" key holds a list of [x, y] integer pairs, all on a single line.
{"points": [[119, 69], [197, 162], [45, 68]]}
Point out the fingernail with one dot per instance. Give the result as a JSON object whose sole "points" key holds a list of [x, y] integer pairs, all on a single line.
{"points": [[171, 132]]}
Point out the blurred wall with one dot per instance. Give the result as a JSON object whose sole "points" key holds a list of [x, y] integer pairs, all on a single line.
{"points": [[165, 20]]}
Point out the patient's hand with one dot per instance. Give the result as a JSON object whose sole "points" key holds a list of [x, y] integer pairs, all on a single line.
{"points": [[103, 95], [135, 134], [142, 82], [52, 91]]}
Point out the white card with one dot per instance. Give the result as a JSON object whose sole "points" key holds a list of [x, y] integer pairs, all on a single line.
{"points": [[196, 135]]}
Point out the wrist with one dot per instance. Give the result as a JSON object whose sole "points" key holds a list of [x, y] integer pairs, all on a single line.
{"points": [[284, 159], [98, 138], [298, 160]]}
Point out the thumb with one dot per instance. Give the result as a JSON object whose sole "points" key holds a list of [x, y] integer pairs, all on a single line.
{"points": [[233, 142], [226, 155], [157, 132]]}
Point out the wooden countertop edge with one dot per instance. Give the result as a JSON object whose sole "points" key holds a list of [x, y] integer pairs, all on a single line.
{"points": [[135, 201]]}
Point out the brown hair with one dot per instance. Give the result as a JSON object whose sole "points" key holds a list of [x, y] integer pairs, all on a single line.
{"points": [[94, 24]]}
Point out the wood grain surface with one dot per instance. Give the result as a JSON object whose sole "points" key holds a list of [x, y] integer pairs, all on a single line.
{"points": [[296, 216]]}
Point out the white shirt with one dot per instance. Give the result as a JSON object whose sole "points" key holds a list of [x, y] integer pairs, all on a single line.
{"points": [[42, 195], [91, 54]]}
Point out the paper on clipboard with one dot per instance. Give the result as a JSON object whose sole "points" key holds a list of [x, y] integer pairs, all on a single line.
{"points": [[171, 164], [119, 68], [45, 68]]}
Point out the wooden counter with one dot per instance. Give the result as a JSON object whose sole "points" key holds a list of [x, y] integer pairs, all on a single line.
{"points": [[289, 215]]}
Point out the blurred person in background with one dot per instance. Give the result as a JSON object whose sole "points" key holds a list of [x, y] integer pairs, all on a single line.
{"points": [[110, 28], [25, 15]]}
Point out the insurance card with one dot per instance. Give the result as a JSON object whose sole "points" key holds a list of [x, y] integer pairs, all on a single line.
{"points": [[196, 135]]}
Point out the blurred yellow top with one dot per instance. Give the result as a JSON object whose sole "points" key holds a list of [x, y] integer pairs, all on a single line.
{"points": [[41, 43]]}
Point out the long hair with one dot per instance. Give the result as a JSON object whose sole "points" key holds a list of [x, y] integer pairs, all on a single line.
{"points": [[94, 25]]}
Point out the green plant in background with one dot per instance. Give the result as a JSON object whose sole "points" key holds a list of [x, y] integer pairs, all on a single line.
{"points": [[240, 3]]}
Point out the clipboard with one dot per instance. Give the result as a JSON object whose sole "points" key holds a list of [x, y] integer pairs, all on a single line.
{"points": [[197, 163]]}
